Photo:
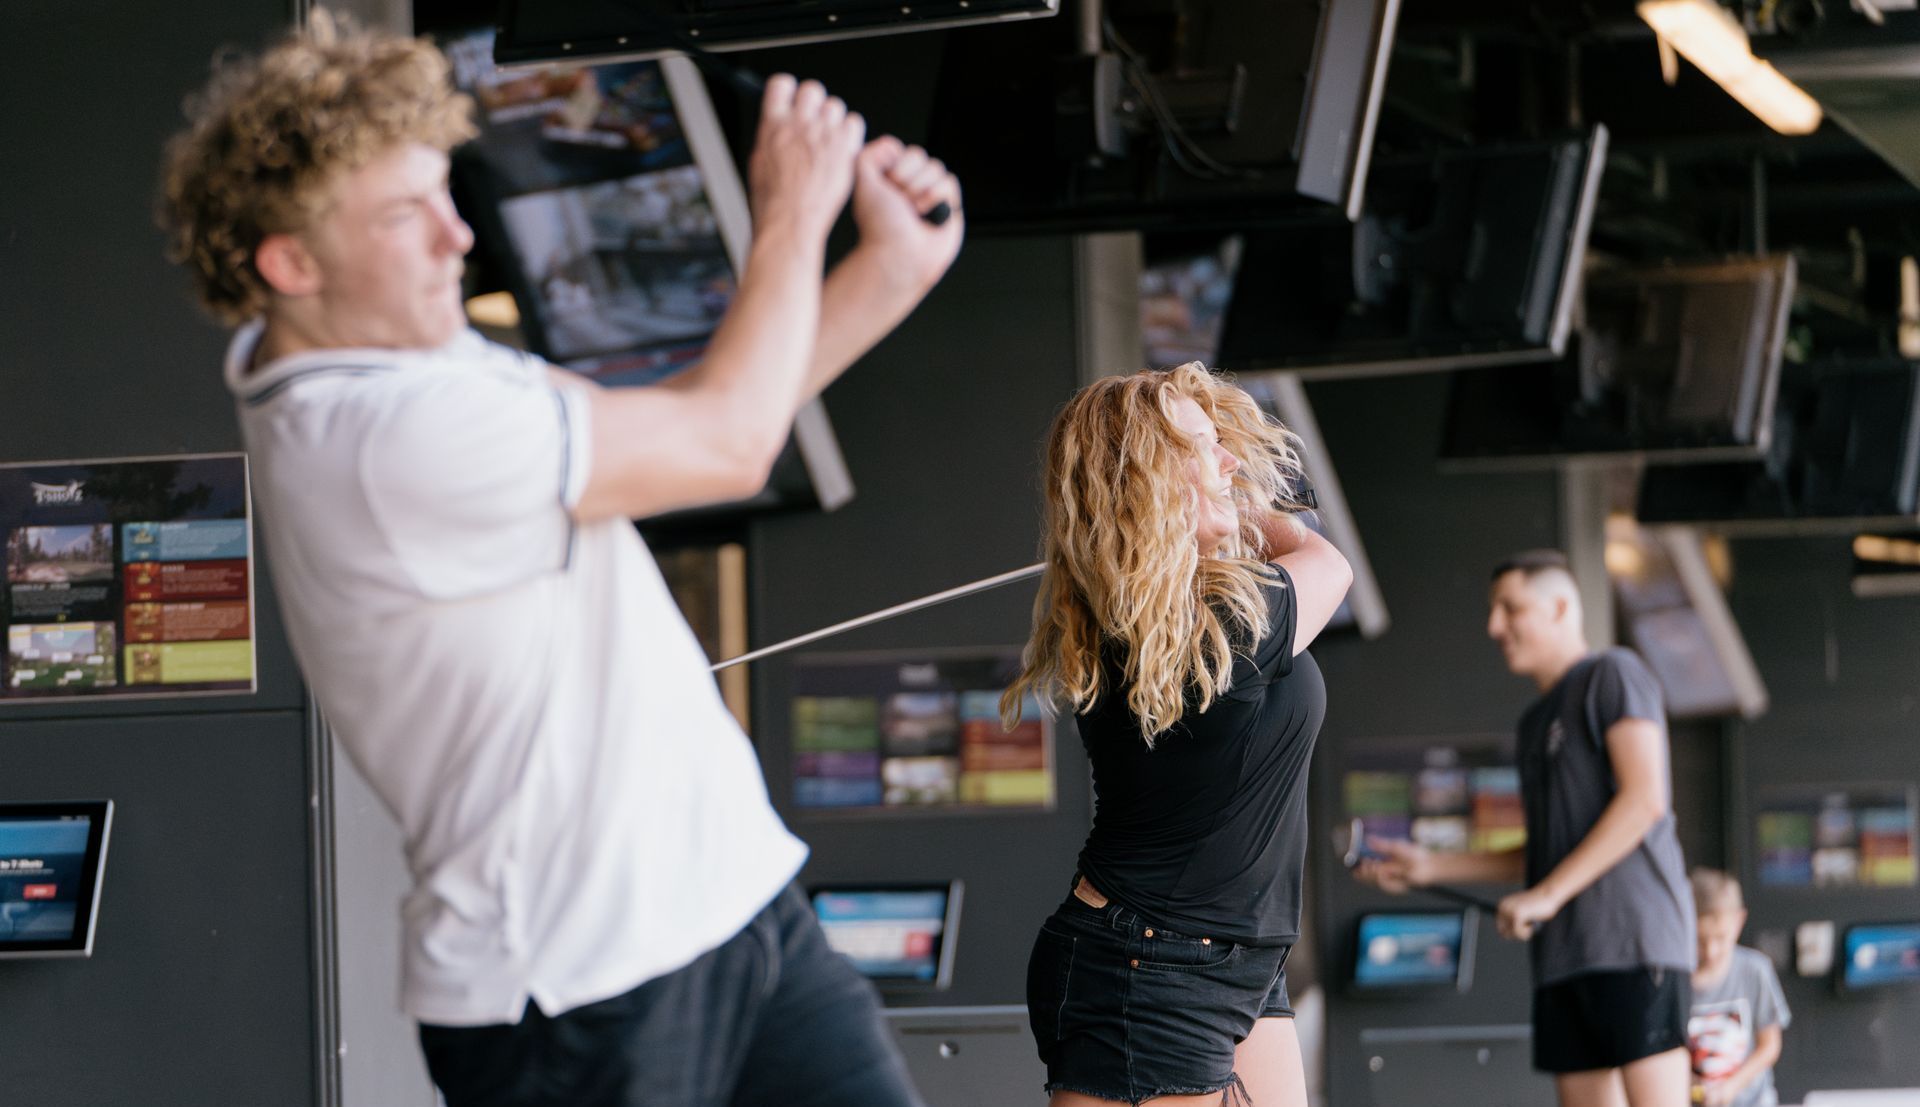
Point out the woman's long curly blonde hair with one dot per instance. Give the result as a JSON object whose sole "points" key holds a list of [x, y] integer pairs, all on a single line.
{"points": [[1123, 566], [267, 136]]}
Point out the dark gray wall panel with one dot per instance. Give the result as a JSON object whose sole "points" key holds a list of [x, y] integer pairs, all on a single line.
{"points": [[200, 988], [105, 354], [1844, 674]]}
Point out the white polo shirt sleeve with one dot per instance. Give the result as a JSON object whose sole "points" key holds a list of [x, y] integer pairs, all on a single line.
{"points": [[470, 475]]}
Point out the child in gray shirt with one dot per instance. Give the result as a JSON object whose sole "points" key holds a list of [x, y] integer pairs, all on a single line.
{"points": [[1734, 1030]]}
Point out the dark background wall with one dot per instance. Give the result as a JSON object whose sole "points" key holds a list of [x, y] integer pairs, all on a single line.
{"points": [[1845, 679], [201, 988]]}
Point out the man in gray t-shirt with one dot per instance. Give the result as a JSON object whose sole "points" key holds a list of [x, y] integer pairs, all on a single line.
{"points": [[1605, 905], [1639, 913]]}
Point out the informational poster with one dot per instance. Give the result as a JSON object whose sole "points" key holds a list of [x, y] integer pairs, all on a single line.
{"points": [[1859, 835], [126, 578], [1447, 798], [899, 731]]}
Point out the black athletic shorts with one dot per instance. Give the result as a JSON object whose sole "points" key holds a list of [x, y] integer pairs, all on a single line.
{"points": [[1123, 1008], [1604, 1020]]}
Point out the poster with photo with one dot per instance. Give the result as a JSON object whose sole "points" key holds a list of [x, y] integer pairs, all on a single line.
{"points": [[1838, 836], [893, 732], [1451, 798], [604, 223], [126, 578]]}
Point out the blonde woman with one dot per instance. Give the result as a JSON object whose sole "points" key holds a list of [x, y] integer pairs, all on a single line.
{"points": [[1180, 595]]}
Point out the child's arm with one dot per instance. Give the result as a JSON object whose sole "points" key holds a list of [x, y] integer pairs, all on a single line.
{"points": [[1766, 1050]]}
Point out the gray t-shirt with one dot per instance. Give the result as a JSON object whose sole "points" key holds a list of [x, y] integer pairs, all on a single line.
{"points": [[1640, 912], [1727, 1017]]}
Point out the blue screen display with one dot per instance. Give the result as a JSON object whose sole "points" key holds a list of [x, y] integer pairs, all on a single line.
{"points": [[1399, 950], [888, 935], [42, 867], [1881, 954]]}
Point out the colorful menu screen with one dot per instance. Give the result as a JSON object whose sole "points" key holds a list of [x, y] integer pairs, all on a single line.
{"points": [[902, 934], [126, 578]]}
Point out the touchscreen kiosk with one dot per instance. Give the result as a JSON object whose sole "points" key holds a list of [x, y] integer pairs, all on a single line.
{"points": [[1880, 955], [1398, 950], [51, 857], [898, 935]]}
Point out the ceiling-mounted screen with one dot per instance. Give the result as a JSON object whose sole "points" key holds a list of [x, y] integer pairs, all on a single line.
{"points": [[1676, 363], [1469, 258], [1845, 455], [606, 199], [1217, 113]]}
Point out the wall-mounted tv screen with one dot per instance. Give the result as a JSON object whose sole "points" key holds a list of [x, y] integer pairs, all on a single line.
{"points": [[1398, 950], [606, 200], [1469, 258], [51, 859], [897, 935], [1845, 454], [1673, 363], [1220, 115], [1880, 955]]}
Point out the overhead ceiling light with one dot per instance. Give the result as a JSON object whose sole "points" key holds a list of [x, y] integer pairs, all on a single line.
{"points": [[1708, 36], [1887, 549]]}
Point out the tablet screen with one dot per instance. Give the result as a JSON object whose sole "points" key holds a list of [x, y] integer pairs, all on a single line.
{"points": [[51, 856]]}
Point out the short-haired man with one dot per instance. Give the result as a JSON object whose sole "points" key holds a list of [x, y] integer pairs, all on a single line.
{"points": [[602, 911], [1606, 905]]}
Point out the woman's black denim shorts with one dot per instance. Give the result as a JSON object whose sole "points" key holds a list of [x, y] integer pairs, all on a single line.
{"points": [[1125, 1009]]}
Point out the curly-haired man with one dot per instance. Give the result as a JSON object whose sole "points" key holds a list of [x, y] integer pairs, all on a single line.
{"points": [[602, 910]]}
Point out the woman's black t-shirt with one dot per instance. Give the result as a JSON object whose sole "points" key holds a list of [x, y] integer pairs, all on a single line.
{"points": [[1206, 832]]}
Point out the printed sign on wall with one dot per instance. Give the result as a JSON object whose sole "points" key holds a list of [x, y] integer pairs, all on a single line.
{"points": [[916, 730], [126, 578]]}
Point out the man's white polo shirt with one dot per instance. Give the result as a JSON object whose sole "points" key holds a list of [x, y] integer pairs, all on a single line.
{"points": [[581, 813]]}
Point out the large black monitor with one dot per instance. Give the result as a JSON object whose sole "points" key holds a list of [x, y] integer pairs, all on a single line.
{"points": [[1845, 454], [606, 201], [1202, 113], [51, 859], [1677, 363], [1469, 258]]}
